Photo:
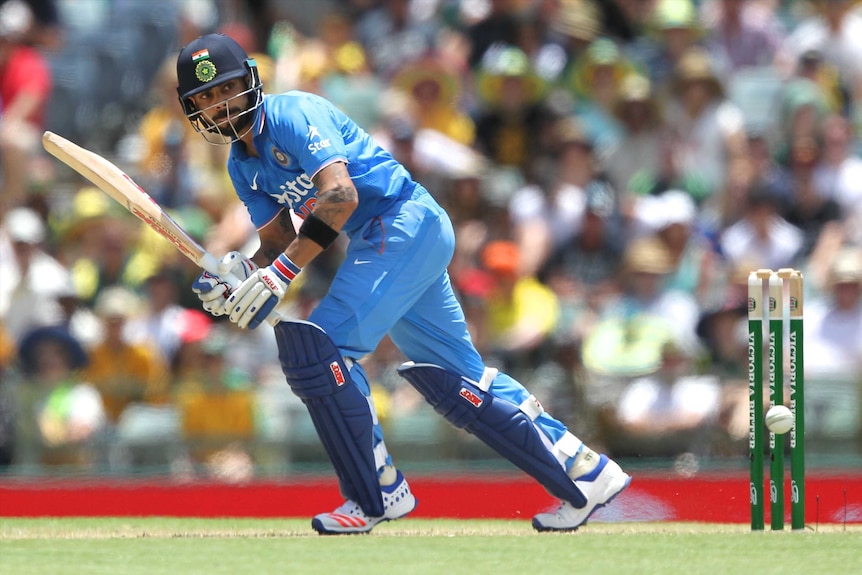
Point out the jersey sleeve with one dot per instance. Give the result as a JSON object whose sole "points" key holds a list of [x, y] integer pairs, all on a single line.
{"points": [[262, 208]]}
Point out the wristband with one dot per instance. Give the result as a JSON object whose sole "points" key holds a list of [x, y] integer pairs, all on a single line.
{"points": [[285, 269], [318, 231]]}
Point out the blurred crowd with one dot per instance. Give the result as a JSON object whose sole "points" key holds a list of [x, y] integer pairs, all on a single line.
{"points": [[614, 170]]}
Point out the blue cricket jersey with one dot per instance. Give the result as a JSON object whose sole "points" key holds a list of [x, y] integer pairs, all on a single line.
{"points": [[393, 279], [298, 134]]}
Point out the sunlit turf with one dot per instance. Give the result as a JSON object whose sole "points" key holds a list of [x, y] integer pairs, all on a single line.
{"points": [[156, 546]]}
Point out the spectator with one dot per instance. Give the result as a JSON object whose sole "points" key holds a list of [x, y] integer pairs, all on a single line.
{"points": [[25, 85], [723, 327], [334, 64], [32, 281], [116, 258], [819, 217], [432, 157], [521, 311], [546, 216], [392, 38], [677, 28], [162, 320], [748, 33], [216, 406], [833, 327], [709, 145], [434, 89], [833, 353], [672, 217], [762, 237], [511, 119], [62, 413], [499, 26], [584, 270], [595, 86], [838, 174], [766, 171], [835, 30], [667, 413], [577, 23], [626, 339], [812, 67], [479, 208], [804, 105], [46, 32], [124, 372], [78, 225], [637, 163], [9, 414]]}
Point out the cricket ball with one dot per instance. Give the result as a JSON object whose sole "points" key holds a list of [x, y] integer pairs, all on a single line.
{"points": [[779, 419]]}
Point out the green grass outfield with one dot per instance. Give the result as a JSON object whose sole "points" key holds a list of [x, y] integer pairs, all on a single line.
{"points": [[162, 546]]}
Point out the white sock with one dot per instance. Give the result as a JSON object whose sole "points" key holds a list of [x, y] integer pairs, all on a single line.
{"points": [[388, 474], [585, 461]]}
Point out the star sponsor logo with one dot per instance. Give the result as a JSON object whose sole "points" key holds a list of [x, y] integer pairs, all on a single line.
{"points": [[317, 146], [320, 143]]}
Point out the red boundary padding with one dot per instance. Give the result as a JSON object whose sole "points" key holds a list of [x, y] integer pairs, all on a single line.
{"points": [[721, 498]]}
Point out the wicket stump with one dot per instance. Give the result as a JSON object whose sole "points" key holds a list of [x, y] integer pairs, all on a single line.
{"points": [[775, 302]]}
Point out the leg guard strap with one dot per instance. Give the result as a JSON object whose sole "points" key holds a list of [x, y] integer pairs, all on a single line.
{"points": [[318, 375], [502, 425]]}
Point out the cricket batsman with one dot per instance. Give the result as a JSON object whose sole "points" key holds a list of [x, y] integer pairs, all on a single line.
{"points": [[297, 152]]}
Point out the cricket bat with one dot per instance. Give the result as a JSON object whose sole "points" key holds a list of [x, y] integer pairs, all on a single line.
{"points": [[117, 184]]}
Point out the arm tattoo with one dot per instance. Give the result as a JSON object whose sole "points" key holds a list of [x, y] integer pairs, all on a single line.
{"points": [[330, 204], [270, 252], [278, 235], [285, 223]]}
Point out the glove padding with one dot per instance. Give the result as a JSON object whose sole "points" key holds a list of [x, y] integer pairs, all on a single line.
{"points": [[255, 298], [213, 291]]}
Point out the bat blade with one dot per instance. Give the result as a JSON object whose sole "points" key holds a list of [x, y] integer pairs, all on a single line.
{"points": [[117, 184], [122, 188]]}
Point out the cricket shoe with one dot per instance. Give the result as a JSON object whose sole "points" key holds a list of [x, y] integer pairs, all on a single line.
{"points": [[600, 486], [350, 518]]}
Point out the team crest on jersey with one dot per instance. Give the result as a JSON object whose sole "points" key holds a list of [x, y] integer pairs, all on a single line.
{"points": [[280, 156], [205, 71]]}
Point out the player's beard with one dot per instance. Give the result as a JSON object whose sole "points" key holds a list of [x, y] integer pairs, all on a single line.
{"points": [[242, 122], [233, 124]]}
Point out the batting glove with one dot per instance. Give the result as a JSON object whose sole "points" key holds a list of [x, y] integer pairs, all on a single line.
{"points": [[253, 300], [213, 291]]}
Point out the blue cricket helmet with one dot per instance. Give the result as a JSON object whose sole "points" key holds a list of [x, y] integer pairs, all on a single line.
{"points": [[206, 62]]}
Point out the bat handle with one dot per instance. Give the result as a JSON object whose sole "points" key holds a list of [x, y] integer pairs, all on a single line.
{"points": [[210, 264]]}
